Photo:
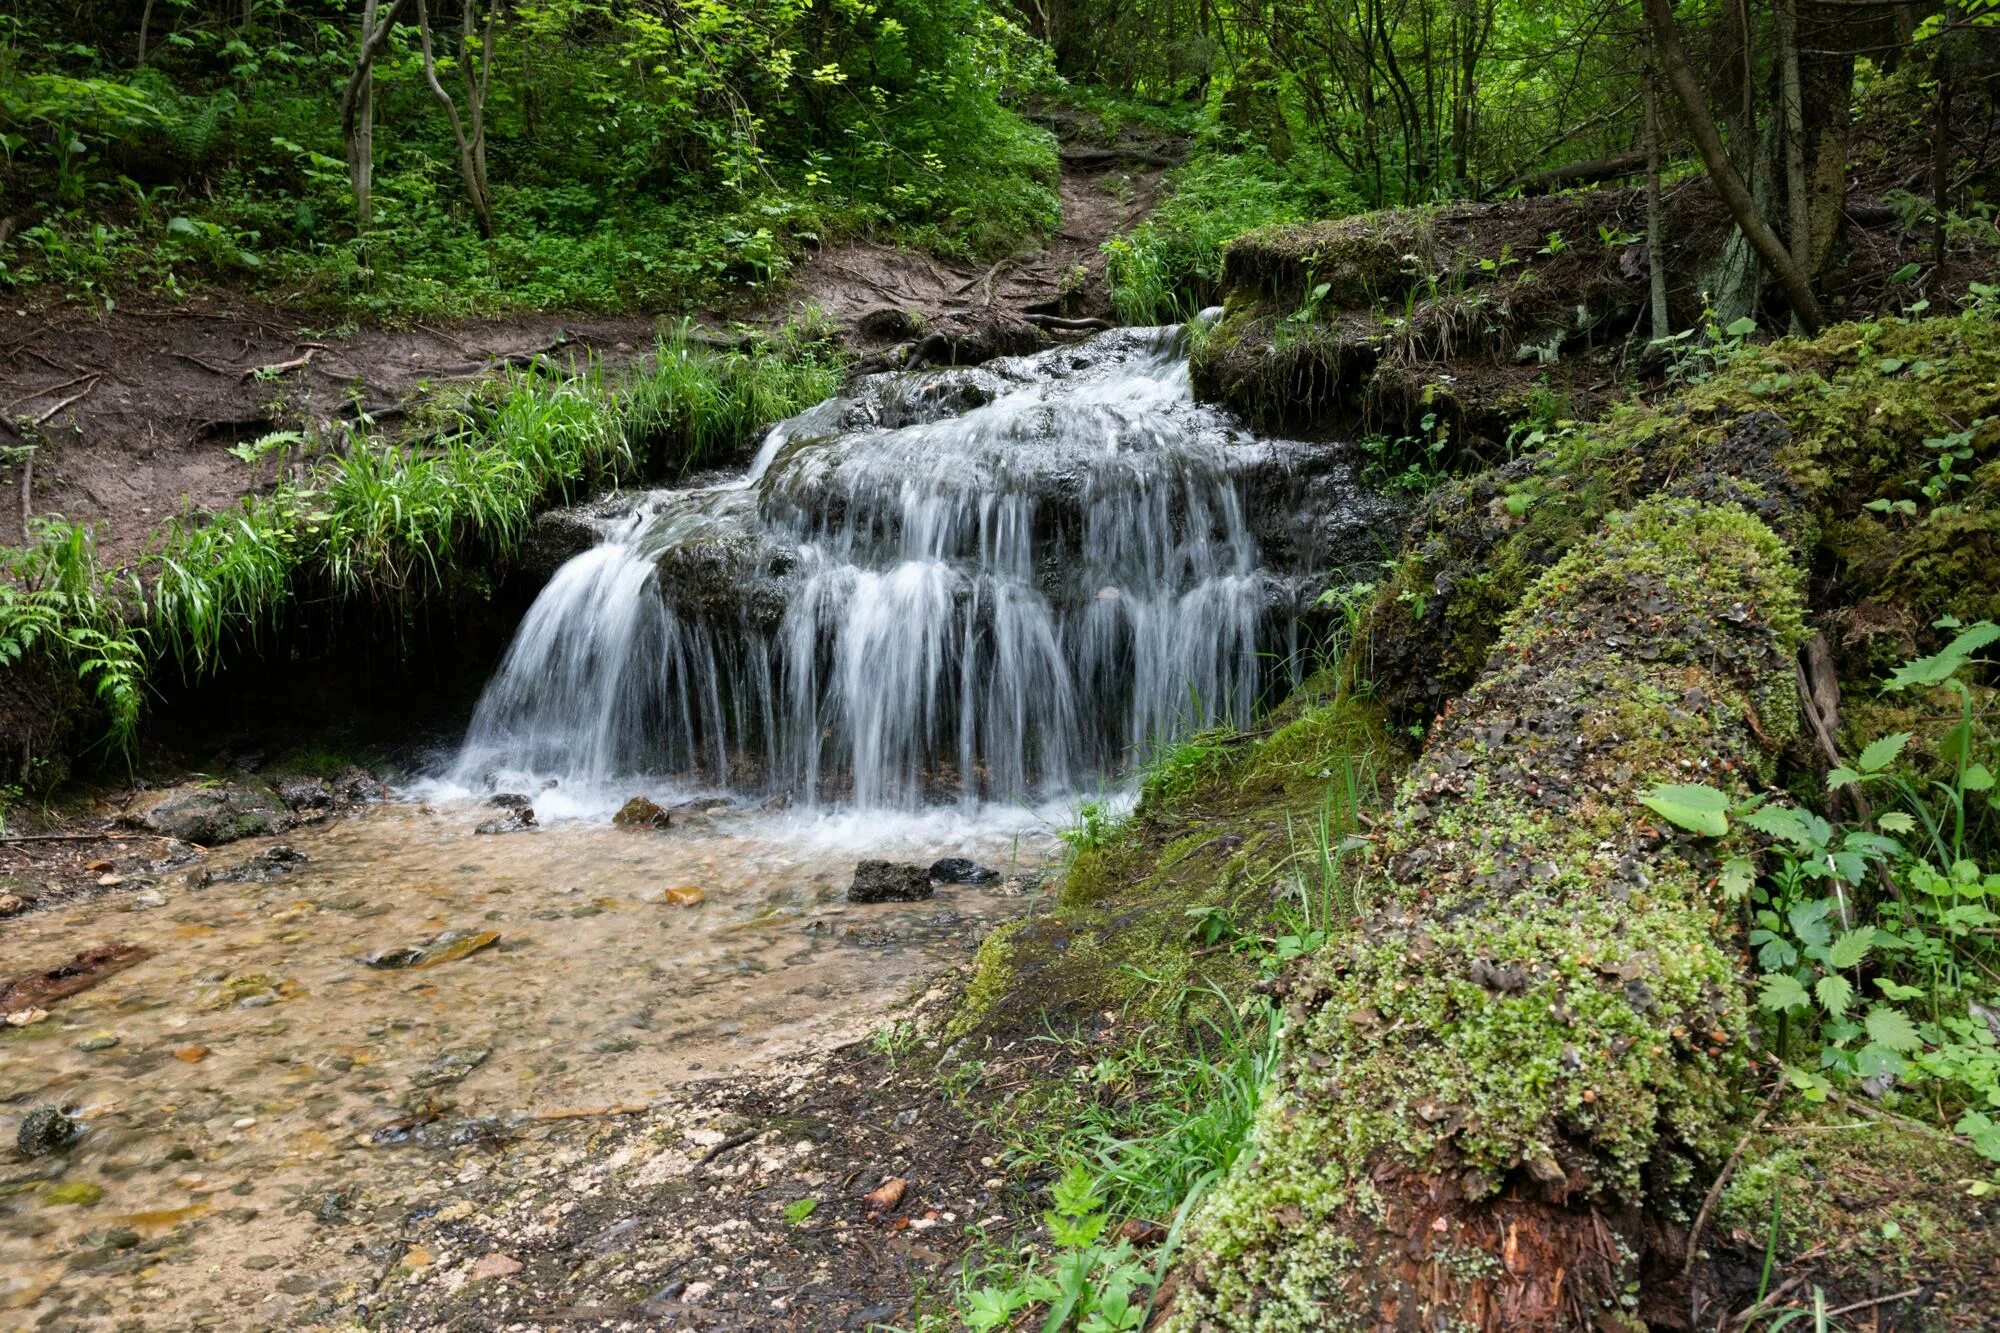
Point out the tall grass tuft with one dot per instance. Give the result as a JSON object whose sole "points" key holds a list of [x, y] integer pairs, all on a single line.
{"points": [[390, 523]]}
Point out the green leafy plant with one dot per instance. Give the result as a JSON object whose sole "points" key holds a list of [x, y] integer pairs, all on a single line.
{"points": [[1875, 947]]}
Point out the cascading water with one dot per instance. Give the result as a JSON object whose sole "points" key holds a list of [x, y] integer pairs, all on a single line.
{"points": [[1002, 583]]}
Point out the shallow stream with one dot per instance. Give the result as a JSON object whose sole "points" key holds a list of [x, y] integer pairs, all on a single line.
{"points": [[257, 1066]]}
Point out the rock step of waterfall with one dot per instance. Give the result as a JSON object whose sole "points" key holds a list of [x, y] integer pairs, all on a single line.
{"points": [[993, 584]]}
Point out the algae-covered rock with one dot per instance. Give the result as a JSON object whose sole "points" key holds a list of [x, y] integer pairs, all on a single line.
{"points": [[889, 882], [214, 812]]}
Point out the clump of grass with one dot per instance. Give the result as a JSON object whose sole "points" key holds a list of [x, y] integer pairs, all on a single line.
{"points": [[57, 601], [389, 523], [691, 404]]}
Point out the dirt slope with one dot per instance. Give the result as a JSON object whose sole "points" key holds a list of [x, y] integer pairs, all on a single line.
{"points": [[132, 413]]}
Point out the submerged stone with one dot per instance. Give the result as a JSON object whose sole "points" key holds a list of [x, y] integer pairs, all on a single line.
{"points": [[47, 1130], [959, 870]]}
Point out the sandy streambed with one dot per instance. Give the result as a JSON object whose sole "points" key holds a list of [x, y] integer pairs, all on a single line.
{"points": [[250, 1085]]}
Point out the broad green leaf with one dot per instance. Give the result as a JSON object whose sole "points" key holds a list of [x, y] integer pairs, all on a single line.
{"points": [[1691, 806], [1779, 822], [1977, 778], [1889, 365], [1897, 821], [1834, 994], [1984, 1133], [1891, 1028], [1782, 993], [1941, 667], [1741, 328], [1896, 990], [1841, 777], [1875, 1059], [1738, 874], [1808, 921], [1882, 752]]}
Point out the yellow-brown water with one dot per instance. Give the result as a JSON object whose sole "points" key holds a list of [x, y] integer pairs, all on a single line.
{"points": [[261, 1064]]}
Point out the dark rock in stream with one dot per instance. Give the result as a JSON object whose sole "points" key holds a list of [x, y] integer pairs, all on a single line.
{"points": [[212, 814], [260, 869], [641, 813], [47, 1130], [958, 870], [517, 819], [889, 882]]}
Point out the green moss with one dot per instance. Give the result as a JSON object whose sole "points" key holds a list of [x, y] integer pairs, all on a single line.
{"points": [[1863, 1206], [1542, 991], [1231, 832]]}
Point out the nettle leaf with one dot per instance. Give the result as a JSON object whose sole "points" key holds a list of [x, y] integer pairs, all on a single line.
{"points": [[1941, 667], [1841, 777], [1808, 921], [1782, 993], [1891, 1028], [1851, 948], [1779, 822], [1691, 806], [1875, 1060], [1834, 993], [1738, 874], [1882, 752]]}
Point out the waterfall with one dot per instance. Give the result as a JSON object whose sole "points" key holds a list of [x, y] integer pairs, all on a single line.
{"points": [[999, 584]]}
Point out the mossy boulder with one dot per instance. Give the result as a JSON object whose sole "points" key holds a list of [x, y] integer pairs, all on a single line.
{"points": [[212, 812]]}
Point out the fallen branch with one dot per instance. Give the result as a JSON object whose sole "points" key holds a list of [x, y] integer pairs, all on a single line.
{"points": [[76, 397], [280, 367], [1059, 324], [209, 366], [53, 388], [89, 837]]}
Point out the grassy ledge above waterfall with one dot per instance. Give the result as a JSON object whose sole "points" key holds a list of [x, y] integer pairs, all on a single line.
{"points": [[1541, 1063], [377, 523]]}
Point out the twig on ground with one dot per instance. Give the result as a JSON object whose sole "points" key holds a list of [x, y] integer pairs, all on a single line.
{"points": [[280, 367], [74, 398], [1879, 1300], [1715, 1190], [41, 393], [209, 366]]}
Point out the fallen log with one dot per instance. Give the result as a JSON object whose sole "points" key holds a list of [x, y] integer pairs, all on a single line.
{"points": [[1542, 1023], [1594, 172]]}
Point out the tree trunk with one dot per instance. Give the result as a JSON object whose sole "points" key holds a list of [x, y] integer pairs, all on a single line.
{"points": [[1656, 225], [357, 106], [1492, 1079], [1798, 236], [145, 27], [1728, 183], [468, 158]]}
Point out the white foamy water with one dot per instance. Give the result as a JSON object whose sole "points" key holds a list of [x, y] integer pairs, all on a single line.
{"points": [[1002, 586]]}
